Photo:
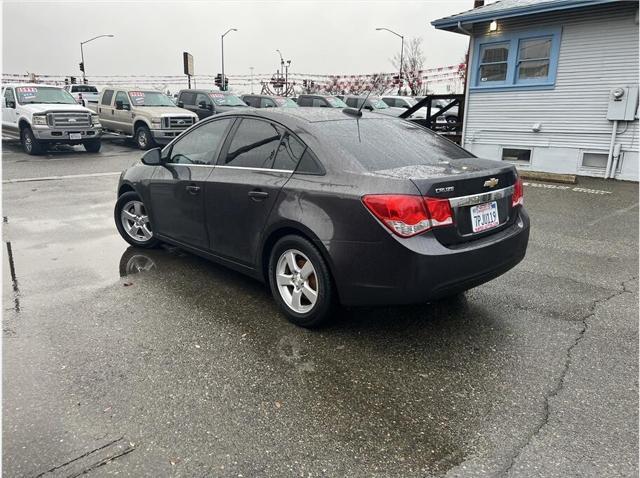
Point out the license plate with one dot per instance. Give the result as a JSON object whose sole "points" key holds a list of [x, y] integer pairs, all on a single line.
{"points": [[484, 216], [75, 136]]}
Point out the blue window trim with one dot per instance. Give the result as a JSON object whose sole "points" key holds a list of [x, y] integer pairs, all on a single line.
{"points": [[514, 39]]}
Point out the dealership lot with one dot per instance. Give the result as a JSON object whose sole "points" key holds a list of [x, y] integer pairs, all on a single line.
{"points": [[156, 363]]}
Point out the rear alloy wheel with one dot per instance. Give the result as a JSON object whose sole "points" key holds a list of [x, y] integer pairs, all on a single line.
{"points": [[143, 138], [29, 142], [132, 221], [300, 282]]}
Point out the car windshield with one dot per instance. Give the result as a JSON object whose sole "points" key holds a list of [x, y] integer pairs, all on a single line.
{"points": [[84, 89], [149, 98], [335, 102], [43, 95], [285, 102], [221, 99], [380, 144]]}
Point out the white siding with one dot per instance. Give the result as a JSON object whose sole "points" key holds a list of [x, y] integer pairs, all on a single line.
{"points": [[598, 51]]}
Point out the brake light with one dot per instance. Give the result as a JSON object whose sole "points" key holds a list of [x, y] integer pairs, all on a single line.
{"points": [[518, 194], [407, 215]]}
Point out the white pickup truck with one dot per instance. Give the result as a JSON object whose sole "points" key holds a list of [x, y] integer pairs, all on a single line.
{"points": [[41, 115], [84, 94]]}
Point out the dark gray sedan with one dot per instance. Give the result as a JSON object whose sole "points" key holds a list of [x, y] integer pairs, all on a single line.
{"points": [[328, 207]]}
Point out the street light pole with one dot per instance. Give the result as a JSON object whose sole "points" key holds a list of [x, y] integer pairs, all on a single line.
{"points": [[401, 51], [286, 77], [251, 68], [282, 67], [84, 67], [224, 86]]}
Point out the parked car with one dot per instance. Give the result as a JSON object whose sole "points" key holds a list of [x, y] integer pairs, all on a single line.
{"points": [[150, 117], [329, 207], [404, 102], [42, 115], [373, 103], [266, 101], [205, 103], [322, 101], [84, 94]]}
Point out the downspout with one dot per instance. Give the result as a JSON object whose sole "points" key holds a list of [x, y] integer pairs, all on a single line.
{"points": [[613, 140], [466, 85]]}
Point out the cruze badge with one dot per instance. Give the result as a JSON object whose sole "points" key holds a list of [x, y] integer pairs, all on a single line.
{"points": [[448, 189], [491, 183]]}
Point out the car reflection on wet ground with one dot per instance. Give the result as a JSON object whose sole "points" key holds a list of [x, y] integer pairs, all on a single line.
{"points": [[160, 363]]}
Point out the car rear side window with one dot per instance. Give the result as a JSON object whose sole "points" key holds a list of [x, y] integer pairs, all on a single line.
{"points": [[106, 97], [304, 101], [200, 145], [289, 153], [382, 144], [267, 103], [254, 145]]}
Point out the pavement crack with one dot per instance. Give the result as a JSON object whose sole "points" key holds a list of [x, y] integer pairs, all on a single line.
{"points": [[559, 383], [65, 468]]}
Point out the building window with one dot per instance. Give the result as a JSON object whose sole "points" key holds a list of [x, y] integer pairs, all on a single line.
{"points": [[493, 62], [597, 161], [533, 58], [516, 155], [516, 60]]}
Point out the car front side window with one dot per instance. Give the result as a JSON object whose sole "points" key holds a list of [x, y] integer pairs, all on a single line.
{"points": [[200, 146]]}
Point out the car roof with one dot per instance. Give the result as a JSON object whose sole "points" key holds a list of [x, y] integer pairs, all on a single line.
{"points": [[204, 90], [291, 116]]}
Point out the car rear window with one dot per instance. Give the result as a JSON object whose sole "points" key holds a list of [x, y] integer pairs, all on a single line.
{"points": [[381, 144]]}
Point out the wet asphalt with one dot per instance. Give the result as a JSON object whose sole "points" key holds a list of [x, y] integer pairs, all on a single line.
{"points": [[158, 363]]}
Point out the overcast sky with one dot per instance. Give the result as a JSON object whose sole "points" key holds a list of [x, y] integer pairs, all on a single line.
{"points": [[323, 37]]}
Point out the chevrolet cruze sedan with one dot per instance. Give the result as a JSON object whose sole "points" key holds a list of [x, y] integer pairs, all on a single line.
{"points": [[329, 207]]}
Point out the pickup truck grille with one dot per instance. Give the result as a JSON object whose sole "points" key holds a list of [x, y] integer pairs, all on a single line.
{"points": [[177, 122], [70, 120]]}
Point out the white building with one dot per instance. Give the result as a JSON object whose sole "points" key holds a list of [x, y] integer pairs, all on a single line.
{"points": [[546, 79]]}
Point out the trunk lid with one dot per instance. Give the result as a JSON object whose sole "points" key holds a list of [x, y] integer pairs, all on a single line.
{"points": [[473, 186]]}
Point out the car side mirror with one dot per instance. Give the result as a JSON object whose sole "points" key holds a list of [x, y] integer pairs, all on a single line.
{"points": [[180, 104], [126, 106], [369, 108], [119, 104], [153, 157]]}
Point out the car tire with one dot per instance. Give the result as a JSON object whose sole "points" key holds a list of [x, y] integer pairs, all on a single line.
{"points": [[92, 146], [134, 227], [293, 290], [29, 142], [143, 138]]}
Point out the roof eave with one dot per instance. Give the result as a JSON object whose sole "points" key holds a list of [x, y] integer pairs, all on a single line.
{"points": [[451, 23]]}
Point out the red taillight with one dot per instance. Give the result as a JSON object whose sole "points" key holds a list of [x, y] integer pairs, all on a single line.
{"points": [[518, 194], [407, 215]]}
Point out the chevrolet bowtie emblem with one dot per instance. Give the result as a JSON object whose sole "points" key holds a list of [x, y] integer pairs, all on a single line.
{"points": [[491, 183]]}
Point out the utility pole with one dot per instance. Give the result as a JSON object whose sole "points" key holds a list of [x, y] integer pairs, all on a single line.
{"points": [[251, 68]]}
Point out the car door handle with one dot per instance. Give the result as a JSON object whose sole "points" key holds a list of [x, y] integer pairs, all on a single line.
{"points": [[193, 189], [258, 195]]}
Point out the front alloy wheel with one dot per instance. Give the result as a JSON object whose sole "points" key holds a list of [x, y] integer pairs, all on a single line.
{"points": [[132, 221], [136, 221]]}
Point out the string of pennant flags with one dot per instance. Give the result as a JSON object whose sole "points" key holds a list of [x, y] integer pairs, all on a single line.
{"points": [[323, 81]]}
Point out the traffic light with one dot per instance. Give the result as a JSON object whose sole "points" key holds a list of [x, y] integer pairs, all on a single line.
{"points": [[82, 66], [72, 80], [226, 83], [218, 80]]}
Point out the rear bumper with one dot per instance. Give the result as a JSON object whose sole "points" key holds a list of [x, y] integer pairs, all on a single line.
{"points": [[420, 269]]}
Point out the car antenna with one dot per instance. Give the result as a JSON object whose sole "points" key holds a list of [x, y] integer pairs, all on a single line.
{"points": [[357, 112]]}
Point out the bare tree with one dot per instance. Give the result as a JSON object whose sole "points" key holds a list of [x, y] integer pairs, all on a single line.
{"points": [[412, 63]]}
